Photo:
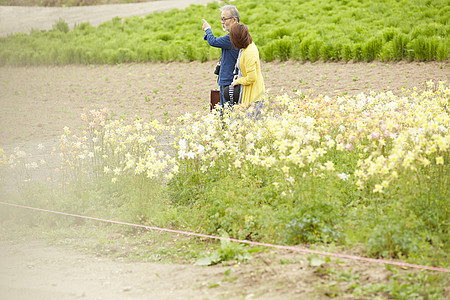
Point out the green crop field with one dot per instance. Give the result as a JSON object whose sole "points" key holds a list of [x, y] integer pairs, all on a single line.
{"points": [[357, 30]]}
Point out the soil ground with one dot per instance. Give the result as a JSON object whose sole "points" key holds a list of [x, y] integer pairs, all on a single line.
{"points": [[36, 270], [37, 102]]}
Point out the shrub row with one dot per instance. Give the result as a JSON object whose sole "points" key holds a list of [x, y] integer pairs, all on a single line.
{"points": [[357, 30]]}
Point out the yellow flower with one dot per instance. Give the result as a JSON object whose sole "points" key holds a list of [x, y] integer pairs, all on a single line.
{"points": [[439, 160], [425, 162], [359, 184], [378, 188], [329, 165], [269, 161]]}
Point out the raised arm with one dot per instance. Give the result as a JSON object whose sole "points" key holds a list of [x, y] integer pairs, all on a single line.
{"points": [[223, 42]]}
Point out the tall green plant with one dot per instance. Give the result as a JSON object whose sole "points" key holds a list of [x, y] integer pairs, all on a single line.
{"points": [[330, 30]]}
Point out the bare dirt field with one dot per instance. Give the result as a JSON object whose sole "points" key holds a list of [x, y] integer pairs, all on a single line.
{"points": [[37, 102]]}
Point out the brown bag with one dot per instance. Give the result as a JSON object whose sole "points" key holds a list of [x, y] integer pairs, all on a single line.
{"points": [[215, 99]]}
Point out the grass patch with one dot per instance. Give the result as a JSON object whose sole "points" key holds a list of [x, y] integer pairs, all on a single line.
{"points": [[330, 31]]}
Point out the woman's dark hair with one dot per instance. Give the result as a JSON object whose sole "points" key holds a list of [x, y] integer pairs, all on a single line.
{"points": [[239, 36]]}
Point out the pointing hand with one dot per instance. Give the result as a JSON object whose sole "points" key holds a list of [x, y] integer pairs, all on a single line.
{"points": [[205, 25]]}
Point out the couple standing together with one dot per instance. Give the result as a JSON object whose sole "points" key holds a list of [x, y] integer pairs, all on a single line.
{"points": [[240, 78]]}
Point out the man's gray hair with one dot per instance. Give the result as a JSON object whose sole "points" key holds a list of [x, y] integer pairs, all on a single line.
{"points": [[232, 10]]}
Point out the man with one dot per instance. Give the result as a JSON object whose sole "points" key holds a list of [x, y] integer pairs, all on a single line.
{"points": [[229, 16]]}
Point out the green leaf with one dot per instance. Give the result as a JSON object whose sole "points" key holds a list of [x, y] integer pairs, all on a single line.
{"points": [[212, 259], [204, 261], [316, 261]]}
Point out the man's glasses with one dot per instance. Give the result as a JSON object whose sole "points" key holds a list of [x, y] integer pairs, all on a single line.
{"points": [[225, 19]]}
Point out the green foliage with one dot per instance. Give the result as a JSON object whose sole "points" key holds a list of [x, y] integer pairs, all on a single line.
{"points": [[394, 238], [357, 30], [61, 26], [257, 198], [372, 48], [407, 286], [227, 251], [315, 223]]}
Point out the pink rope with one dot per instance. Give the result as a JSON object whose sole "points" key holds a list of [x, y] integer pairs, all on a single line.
{"points": [[401, 264]]}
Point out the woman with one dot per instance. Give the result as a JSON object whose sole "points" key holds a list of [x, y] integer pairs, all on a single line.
{"points": [[249, 65]]}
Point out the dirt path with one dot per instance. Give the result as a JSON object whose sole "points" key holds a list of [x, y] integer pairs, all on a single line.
{"points": [[34, 270], [15, 19]]}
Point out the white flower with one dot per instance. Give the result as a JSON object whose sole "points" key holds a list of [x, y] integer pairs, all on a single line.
{"points": [[219, 145], [237, 163], [32, 165], [20, 153], [343, 176], [117, 171], [200, 149], [190, 155], [183, 144], [290, 179], [181, 154], [249, 137]]}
